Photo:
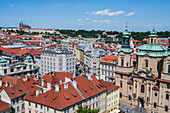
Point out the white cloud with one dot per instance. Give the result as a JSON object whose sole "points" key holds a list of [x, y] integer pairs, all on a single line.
{"points": [[106, 13], [87, 19], [79, 20], [101, 21], [130, 14], [11, 5]]}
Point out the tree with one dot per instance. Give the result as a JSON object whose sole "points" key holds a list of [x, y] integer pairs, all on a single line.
{"points": [[85, 109]]}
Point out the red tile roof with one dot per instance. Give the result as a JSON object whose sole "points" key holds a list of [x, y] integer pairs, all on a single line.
{"points": [[108, 59], [18, 88], [98, 84], [4, 106], [109, 86], [57, 100], [86, 87]]}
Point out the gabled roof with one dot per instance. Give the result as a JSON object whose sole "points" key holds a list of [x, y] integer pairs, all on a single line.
{"points": [[98, 84], [108, 59], [18, 88], [86, 87], [57, 100], [4, 106], [109, 86]]}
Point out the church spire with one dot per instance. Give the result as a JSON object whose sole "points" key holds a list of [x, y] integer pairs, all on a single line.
{"points": [[126, 26], [153, 27]]}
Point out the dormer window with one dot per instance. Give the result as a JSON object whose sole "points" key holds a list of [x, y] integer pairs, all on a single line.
{"points": [[104, 61]]}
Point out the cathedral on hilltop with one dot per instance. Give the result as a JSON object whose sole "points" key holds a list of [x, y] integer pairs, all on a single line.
{"points": [[21, 24], [145, 84]]}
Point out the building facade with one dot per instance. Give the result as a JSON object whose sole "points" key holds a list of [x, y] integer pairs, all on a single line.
{"points": [[59, 60], [146, 85], [92, 59], [107, 68], [18, 65]]}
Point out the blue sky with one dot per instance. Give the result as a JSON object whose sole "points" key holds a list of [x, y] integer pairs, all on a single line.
{"points": [[87, 14]]}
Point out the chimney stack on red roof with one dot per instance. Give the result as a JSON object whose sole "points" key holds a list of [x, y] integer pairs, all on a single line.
{"points": [[0, 82], [57, 88], [11, 85], [42, 82], [48, 86], [6, 84], [37, 92], [66, 85]]}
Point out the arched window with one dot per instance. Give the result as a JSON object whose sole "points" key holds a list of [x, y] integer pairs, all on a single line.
{"points": [[121, 84], [151, 40], [122, 62], [146, 63], [167, 96], [142, 88]]}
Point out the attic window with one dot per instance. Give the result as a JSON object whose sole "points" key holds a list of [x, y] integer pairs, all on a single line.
{"points": [[74, 95], [101, 85], [98, 86], [33, 94], [12, 93], [84, 90], [20, 90], [46, 96], [54, 99], [104, 61], [90, 88], [32, 86], [67, 98]]}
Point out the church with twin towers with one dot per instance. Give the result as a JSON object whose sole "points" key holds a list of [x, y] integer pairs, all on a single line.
{"points": [[144, 83]]}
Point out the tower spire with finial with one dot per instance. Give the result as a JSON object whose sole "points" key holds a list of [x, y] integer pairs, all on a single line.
{"points": [[153, 27], [126, 25]]}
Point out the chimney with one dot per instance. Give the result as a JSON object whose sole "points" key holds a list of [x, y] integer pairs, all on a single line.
{"points": [[0, 82], [26, 78], [48, 86], [42, 82], [57, 88], [37, 92], [75, 83], [61, 81], [66, 85], [6, 84], [11, 85]]}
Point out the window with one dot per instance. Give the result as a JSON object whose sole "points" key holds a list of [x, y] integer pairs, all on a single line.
{"points": [[29, 111], [147, 99], [96, 104], [121, 84], [120, 95], [47, 109], [168, 68], [154, 105], [41, 107], [29, 103], [22, 106], [18, 108], [35, 105], [122, 62], [142, 88], [155, 94], [167, 96], [168, 86], [73, 107], [146, 63], [54, 111], [166, 108], [129, 97], [12, 70]]}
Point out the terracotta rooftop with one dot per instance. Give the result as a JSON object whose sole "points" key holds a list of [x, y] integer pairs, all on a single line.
{"points": [[4, 106]]}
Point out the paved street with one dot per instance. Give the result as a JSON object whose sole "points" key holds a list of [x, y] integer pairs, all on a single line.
{"points": [[128, 109]]}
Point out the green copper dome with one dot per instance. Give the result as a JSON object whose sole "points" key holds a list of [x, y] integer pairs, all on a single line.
{"points": [[152, 47], [152, 50], [3, 62], [28, 59]]}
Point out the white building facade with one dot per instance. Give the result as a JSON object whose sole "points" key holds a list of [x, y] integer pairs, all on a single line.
{"points": [[60, 60]]}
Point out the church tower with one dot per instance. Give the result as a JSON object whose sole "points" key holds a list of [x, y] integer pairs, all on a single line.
{"points": [[153, 37], [125, 62]]}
